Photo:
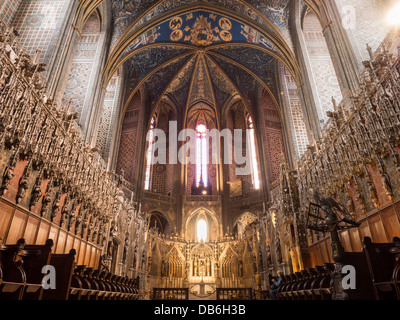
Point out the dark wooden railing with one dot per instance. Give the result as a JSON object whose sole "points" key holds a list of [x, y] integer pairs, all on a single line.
{"points": [[170, 294], [235, 294]]}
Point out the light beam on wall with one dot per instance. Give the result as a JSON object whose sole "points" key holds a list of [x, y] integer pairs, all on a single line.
{"points": [[393, 16]]}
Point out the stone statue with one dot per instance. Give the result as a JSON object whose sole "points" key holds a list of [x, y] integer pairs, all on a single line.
{"points": [[124, 253], [110, 249], [278, 251]]}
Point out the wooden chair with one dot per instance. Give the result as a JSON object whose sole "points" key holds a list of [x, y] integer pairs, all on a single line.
{"points": [[384, 263], [101, 285], [94, 293], [308, 292], [301, 287], [108, 292], [326, 282], [364, 288], [35, 257], [76, 286], [316, 284], [86, 288], [279, 295], [64, 266], [13, 277]]}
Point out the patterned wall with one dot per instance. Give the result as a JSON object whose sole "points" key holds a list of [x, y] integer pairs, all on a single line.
{"points": [[369, 23], [108, 116], [230, 125], [294, 112], [9, 10], [129, 146], [82, 65], [212, 168], [273, 137], [39, 23], [239, 120], [325, 78], [159, 177]]}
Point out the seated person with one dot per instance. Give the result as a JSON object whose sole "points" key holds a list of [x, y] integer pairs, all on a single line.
{"points": [[275, 285]]}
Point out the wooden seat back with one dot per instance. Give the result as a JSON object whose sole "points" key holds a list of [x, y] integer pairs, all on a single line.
{"points": [[64, 266]]}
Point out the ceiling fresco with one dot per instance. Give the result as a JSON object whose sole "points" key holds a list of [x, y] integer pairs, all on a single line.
{"points": [[212, 76], [198, 78], [197, 54], [245, 83], [202, 29], [146, 61], [159, 81], [252, 59], [201, 88], [223, 87], [130, 14], [178, 89]]}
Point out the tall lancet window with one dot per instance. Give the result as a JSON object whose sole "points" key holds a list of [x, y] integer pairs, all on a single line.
{"points": [[202, 231], [201, 161], [149, 155], [253, 154]]}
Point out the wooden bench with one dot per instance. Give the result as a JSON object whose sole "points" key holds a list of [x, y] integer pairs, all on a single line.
{"points": [[35, 257], [281, 294], [102, 286], [94, 284], [13, 276], [22, 276], [296, 287], [301, 294], [108, 292], [90, 284], [307, 288], [384, 266], [364, 288], [316, 283], [64, 266]]}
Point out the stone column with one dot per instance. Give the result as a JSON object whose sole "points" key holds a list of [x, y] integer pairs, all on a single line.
{"points": [[306, 85], [343, 56]]}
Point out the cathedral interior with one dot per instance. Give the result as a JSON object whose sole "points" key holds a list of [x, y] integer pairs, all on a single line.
{"points": [[89, 87]]}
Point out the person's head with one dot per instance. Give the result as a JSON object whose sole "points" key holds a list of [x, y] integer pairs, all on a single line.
{"points": [[280, 274]]}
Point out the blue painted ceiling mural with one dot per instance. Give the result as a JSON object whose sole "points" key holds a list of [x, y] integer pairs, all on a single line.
{"points": [[130, 14], [202, 54], [202, 29]]}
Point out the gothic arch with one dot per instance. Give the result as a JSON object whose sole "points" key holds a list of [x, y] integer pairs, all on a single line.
{"points": [[274, 36], [322, 69], [213, 224], [160, 221], [245, 220]]}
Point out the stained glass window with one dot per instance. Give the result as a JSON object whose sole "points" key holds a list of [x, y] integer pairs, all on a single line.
{"points": [[201, 161], [202, 231], [149, 155], [253, 154]]}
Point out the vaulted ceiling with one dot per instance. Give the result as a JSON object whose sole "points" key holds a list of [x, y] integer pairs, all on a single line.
{"points": [[191, 51]]}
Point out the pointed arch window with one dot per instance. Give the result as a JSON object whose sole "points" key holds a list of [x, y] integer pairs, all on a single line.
{"points": [[253, 154], [201, 161], [202, 231], [149, 155]]}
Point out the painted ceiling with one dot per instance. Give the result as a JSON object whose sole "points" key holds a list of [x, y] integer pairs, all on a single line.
{"points": [[130, 14], [208, 54]]}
